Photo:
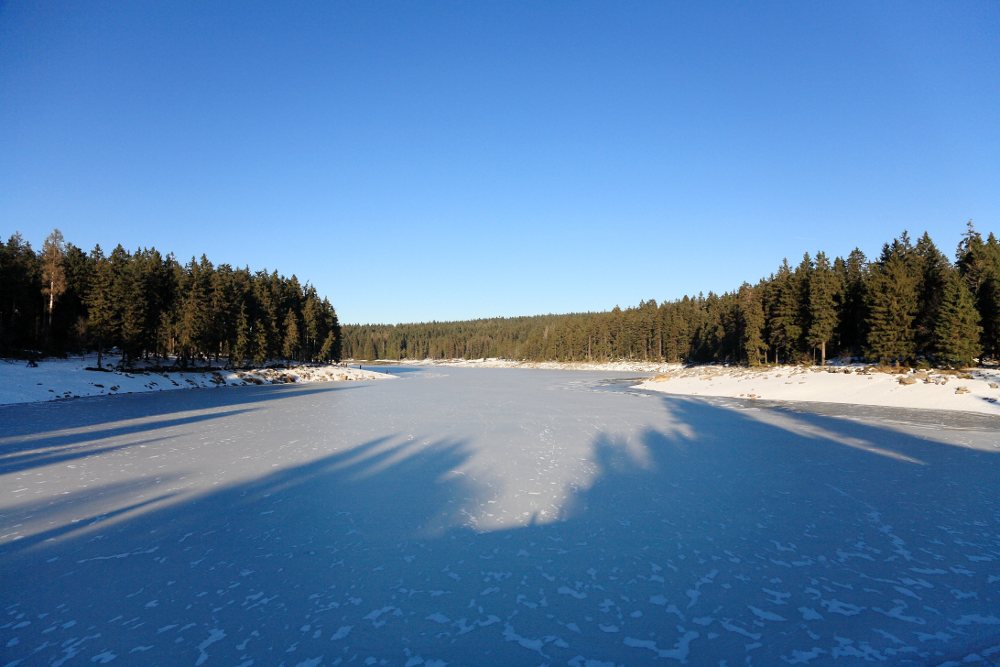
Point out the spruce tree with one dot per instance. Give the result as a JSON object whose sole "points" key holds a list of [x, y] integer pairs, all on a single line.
{"points": [[957, 331], [260, 338], [133, 298], [240, 350], [102, 315], [225, 307], [292, 344], [312, 323], [69, 319], [334, 332], [970, 258], [853, 276], [892, 303], [20, 307], [989, 298], [194, 320], [751, 315], [785, 315], [932, 272], [823, 293], [979, 264]]}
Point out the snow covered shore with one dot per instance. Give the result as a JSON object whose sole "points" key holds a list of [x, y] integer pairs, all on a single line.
{"points": [[858, 384], [628, 366], [55, 379], [974, 391]]}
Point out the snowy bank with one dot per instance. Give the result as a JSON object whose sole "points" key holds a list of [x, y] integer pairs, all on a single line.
{"points": [[974, 391], [628, 366], [54, 379]]}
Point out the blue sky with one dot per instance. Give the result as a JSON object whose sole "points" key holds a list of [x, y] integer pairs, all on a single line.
{"points": [[450, 160]]}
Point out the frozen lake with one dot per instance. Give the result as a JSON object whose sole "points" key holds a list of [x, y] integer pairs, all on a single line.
{"points": [[493, 516]]}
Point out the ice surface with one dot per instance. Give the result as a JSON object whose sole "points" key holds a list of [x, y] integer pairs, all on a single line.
{"points": [[478, 516]]}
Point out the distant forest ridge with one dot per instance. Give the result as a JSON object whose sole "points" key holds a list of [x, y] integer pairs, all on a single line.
{"points": [[910, 305], [149, 306]]}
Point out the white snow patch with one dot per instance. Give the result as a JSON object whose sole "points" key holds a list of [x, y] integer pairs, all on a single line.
{"points": [[854, 384], [679, 652], [54, 379], [765, 615], [214, 635]]}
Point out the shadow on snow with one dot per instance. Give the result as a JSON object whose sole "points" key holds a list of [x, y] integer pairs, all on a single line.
{"points": [[24, 445], [751, 536]]}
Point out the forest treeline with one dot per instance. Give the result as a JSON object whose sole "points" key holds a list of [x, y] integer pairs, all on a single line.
{"points": [[149, 306], [909, 305]]}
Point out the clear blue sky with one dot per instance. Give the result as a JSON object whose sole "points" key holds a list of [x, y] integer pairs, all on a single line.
{"points": [[450, 160]]}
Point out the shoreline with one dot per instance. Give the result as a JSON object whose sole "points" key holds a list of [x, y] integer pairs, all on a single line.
{"points": [[63, 379], [626, 366], [837, 383], [975, 391]]}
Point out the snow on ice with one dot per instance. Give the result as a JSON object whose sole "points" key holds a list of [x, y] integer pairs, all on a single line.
{"points": [[488, 516]]}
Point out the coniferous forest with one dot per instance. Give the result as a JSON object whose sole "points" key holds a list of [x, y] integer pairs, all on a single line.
{"points": [[909, 305], [150, 307]]}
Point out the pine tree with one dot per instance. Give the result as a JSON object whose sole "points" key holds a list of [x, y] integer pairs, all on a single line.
{"points": [[53, 274], [20, 308], [266, 291], [292, 344], [69, 319], [260, 337], [194, 317], [165, 288], [312, 322], [240, 350], [334, 332], [326, 350], [225, 307], [957, 331], [823, 294], [133, 296]]}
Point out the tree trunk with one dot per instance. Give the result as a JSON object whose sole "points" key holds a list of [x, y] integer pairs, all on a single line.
{"points": [[822, 353]]}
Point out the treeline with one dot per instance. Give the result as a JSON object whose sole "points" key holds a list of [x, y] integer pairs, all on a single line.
{"points": [[149, 306], [911, 304]]}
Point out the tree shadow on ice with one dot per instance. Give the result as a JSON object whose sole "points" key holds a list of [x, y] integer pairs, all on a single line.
{"points": [[18, 454], [815, 537], [329, 534], [87, 520], [41, 421], [708, 534], [764, 537], [24, 444]]}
